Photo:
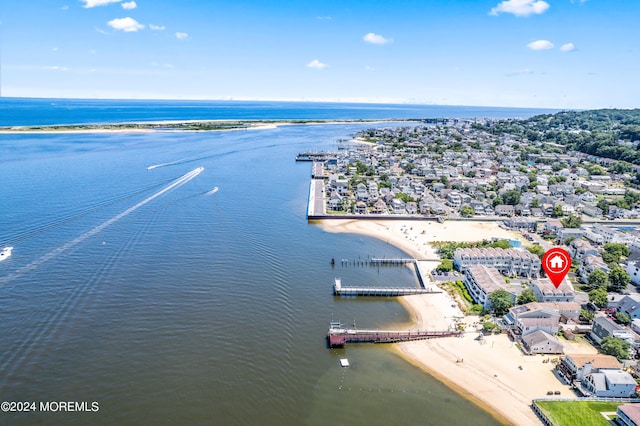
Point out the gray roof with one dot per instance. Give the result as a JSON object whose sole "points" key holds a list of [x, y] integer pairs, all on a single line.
{"points": [[618, 377], [538, 337]]}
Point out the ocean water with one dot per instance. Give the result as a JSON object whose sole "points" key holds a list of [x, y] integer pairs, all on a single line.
{"points": [[135, 289], [29, 111]]}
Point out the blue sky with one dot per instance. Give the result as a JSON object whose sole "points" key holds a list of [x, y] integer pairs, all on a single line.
{"points": [[526, 53]]}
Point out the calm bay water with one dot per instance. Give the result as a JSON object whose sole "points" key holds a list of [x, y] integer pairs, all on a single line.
{"points": [[181, 307]]}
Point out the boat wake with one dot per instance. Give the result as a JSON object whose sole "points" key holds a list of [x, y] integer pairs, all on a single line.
{"points": [[213, 191], [54, 253], [11, 361]]}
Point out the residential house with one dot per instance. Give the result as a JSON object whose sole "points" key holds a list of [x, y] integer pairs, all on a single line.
{"points": [[412, 207], [603, 327], [575, 367], [545, 291], [565, 233], [579, 248], [630, 305], [589, 264], [633, 269], [610, 383], [628, 414], [361, 207], [525, 326], [398, 206], [504, 210], [380, 207], [521, 223], [540, 342]]}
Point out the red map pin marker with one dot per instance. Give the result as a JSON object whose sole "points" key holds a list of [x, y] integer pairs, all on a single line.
{"points": [[556, 263]]}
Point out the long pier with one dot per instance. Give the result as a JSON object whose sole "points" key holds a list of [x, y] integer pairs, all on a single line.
{"points": [[339, 290], [339, 336]]}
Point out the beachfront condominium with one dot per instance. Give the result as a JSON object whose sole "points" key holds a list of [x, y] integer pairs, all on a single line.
{"points": [[481, 281], [507, 261]]}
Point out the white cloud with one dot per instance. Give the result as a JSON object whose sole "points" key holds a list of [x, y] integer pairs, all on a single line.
{"points": [[101, 31], [316, 64], [324, 18], [127, 25], [368, 68], [56, 68], [92, 51], [156, 27], [65, 7], [94, 3], [520, 7], [376, 39], [540, 45], [129, 5], [181, 36], [55, 49], [568, 47]]}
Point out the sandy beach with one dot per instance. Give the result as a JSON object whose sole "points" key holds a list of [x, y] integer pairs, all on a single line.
{"points": [[491, 371]]}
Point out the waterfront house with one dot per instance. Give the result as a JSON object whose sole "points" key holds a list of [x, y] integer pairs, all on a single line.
{"points": [[540, 342], [575, 367], [361, 207], [525, 326], [504, 210], [609, 383], [380, 207], [398, 206]]}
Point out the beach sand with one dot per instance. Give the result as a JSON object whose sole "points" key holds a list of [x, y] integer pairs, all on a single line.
{"points": [[491, 372]]}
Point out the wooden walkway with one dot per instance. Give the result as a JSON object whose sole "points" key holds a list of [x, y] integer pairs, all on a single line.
{"points": [[339, 336]]}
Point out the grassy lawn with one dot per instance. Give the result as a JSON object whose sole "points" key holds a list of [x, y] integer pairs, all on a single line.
{"points": [[579, 413]]}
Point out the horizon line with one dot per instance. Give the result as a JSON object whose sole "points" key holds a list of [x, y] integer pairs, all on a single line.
{"points": [[337, 101]]}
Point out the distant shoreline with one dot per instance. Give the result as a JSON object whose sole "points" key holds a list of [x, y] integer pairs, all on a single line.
{"points": [[182, 126]]}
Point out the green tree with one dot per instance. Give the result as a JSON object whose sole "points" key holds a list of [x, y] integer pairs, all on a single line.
{"points": [[623, 318], [613, 252], [489, 327], [511, 197], [598, 279], [535, 203], [587, 316], [501, 302], [537, 250], [526, 296], [615, 346], [445, 266], [598, 297], [603, 205], [618, 280], [467, 211], [557, 211], [572, 221]]}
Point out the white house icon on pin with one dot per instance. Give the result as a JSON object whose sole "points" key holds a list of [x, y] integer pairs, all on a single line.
{"points": [[556, 262]]}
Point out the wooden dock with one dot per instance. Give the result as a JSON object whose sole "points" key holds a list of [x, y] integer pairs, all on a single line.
{"points": [[339, 290], [339, 336]]}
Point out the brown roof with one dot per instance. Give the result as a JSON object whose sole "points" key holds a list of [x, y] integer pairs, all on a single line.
{"points": [[597, 360], [632, 411]]}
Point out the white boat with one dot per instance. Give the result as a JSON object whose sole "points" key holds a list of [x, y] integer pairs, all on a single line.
{"points": [[6, 252]]}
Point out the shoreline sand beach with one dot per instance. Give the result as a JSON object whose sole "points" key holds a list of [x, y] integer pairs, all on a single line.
{"points": [[491, 372]]}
